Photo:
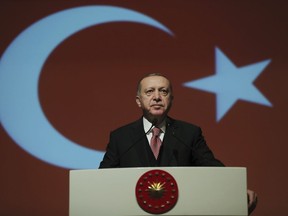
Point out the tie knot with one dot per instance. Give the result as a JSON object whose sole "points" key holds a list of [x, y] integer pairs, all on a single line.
{"points": [[156, 131]]}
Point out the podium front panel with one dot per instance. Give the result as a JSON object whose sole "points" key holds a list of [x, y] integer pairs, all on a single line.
{"points": [[203, 191]]}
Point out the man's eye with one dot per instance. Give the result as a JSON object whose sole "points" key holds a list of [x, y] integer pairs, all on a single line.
{"points": [[164, 92], [149, 92]]}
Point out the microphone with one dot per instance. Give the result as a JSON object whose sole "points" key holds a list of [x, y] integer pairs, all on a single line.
{"points": [[210, 161], [181, 140], [115, 162]]}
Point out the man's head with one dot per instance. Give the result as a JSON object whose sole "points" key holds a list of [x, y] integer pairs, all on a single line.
{"points": [[154, 96]]}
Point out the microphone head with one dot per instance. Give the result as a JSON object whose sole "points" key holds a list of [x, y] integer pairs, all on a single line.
{"points": [[155, 121]]}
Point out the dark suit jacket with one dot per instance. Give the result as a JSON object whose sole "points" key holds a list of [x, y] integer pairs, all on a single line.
{"points": [[183, 145]]}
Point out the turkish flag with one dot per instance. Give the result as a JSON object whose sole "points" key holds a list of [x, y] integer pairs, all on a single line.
{"points": [[225, 59]]}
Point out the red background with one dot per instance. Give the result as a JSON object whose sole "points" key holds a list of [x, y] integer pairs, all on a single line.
{"points": [[87, 88]]}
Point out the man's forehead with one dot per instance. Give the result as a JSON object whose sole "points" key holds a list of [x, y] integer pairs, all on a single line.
{"points": [[155, 81]]}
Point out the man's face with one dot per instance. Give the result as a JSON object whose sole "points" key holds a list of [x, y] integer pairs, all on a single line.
{"points": [[155, 97]]}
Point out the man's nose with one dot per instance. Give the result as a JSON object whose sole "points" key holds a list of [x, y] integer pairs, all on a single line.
{"points": [[157, 96]]}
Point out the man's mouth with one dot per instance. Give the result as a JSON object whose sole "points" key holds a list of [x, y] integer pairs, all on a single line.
{"points": [[156, 105]]}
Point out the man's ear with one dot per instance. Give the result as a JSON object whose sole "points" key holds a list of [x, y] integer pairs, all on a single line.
{"points": [[138, 101]]}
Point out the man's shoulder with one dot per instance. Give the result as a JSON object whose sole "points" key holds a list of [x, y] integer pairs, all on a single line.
{"points": [[181, 123]]}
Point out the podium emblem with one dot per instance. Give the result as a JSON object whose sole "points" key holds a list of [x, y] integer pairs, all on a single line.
{"points": [[156, 192]]}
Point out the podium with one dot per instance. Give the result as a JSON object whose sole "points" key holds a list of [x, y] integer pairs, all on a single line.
{"points": [[202, 191]]}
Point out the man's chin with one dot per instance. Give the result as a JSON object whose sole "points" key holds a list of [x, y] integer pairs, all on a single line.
{"points": [[157, 113]]}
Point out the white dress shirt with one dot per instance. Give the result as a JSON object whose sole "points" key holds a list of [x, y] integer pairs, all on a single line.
{"points": [[147, 126]]}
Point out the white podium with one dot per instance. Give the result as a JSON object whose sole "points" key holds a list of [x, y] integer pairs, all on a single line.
{"points": [[203, 191]]}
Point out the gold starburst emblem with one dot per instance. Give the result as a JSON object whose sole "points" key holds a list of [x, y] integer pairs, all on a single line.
{"points": [[156, 189]]}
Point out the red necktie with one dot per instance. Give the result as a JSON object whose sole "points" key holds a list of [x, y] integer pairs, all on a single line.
{"points": [[155, 141]]}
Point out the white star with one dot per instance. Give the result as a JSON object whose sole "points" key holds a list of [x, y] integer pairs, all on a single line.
{"points": [[231, 83]]}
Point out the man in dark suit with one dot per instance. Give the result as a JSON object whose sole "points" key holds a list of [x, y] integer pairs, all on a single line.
{"points": [[181, 143]]}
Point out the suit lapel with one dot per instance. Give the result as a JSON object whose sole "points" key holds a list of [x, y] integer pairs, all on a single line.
{"points": [[139, 137], [168, 157]]}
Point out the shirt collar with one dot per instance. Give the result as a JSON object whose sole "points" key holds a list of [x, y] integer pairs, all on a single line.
{"points": [[147, 125]]}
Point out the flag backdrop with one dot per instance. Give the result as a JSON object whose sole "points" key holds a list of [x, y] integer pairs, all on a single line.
{"points": [[68, 75]]}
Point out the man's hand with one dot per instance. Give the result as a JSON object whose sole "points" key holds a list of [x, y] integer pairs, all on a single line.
{"points": [[252, 201]]}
